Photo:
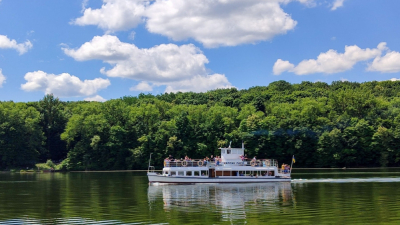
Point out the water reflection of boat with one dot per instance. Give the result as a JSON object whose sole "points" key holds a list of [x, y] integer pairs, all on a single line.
{"points": [[230, 200]]}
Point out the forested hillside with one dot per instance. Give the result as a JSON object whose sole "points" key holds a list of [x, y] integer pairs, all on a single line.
{"points": [[343, 124]]}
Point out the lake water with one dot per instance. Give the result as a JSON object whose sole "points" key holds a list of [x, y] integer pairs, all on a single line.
{"points": [[313, 197]]}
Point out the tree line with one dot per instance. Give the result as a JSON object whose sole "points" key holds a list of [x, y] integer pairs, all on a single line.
{"points": [[344, 124]]}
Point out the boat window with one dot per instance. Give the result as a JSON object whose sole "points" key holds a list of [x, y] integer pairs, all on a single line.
{"points": [[223, 151], [204, 172], [188, 173], [271, 173], [180, 173], [173, 173], [228, 151], [166, 172], [196, 173]]}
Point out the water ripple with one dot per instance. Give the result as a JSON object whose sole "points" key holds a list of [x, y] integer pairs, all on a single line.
{"points": [[348, 180]]}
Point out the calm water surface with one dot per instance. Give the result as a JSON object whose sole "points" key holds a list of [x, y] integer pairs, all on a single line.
{"points": [[313, 197]]}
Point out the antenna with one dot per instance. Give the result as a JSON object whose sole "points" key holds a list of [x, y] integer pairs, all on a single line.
{"points": [[148, 168]]}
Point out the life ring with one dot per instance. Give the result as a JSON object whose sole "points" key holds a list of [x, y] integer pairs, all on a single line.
{"points": [[258, 163], [253, 163], [268, 162], [184, 163], [200, 163]]}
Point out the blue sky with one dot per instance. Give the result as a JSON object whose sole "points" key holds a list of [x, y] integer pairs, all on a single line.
{"points": [[105, 49]]}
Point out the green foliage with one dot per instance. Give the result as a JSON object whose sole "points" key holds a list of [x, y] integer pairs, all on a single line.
{"points": [[21, 137], [50, 164], [345, 124]]}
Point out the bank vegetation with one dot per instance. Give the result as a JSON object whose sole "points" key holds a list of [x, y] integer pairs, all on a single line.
{"points": [[344, 124]]}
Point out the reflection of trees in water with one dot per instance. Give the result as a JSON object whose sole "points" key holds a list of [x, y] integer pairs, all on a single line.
{"points": [[75, 220], [86, 196], [232, 200]]}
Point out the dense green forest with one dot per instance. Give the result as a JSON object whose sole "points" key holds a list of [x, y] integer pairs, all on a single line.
{"points": [[344, 124]]}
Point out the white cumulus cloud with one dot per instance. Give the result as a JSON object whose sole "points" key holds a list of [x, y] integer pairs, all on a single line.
{"points": [[114, 15], [200, 84], [220, 22], [96, 98], [2, 78], [22, 48], [166, 64], [212, 23], [330, 61], [142, 86], [63, 85], [389, 63], [336, 4], [281, 66]]}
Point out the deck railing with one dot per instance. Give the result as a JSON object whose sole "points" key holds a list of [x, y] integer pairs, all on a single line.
{"points": [[186, 163], [287, 171], [202, 163]]}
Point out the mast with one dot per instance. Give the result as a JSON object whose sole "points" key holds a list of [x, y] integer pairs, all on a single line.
{"points": [[148, 168]]}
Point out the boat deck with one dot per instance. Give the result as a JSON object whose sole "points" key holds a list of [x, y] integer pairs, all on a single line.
{"points": [[202, 163]]}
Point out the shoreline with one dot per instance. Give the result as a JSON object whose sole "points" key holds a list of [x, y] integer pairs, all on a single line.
{"points": [[118, 171]]}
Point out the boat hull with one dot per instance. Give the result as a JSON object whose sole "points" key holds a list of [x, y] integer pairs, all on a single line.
{"points": [[153, 178]]}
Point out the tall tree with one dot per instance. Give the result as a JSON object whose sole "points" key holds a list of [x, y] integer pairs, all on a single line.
{"points": [[53, 120]]}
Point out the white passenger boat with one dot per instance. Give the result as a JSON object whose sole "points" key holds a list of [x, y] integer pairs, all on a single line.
{"points": [[230, 169]]}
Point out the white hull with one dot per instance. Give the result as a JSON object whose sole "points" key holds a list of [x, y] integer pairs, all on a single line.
{"points": [[154, 178]]}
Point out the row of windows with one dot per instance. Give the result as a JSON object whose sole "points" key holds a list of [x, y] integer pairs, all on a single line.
{"points": [[244, 173], [256, 173], [187, 173]]}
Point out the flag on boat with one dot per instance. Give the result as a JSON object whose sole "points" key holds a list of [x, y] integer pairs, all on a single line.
{"points": [[294, 160]]}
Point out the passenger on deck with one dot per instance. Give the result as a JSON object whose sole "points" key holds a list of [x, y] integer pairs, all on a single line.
{"points": [[242, 158], [171, 158], [166, 162], [285, 167], [205, 161]]}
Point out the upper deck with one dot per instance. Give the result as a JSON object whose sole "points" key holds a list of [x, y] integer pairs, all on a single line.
{"points": [[229, 157], [202, 163]]}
